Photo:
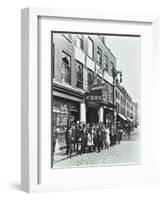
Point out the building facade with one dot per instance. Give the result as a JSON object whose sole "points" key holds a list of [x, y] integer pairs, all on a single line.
{"points": [[120, 95], [82, 80], [135, 114], [83, 88], [126, 108]]}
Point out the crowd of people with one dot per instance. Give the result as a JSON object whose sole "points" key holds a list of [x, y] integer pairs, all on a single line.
{"points": [[82, 138]]}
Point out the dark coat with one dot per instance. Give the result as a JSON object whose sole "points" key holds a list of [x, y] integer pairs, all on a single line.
{"points": [[99, 134]]}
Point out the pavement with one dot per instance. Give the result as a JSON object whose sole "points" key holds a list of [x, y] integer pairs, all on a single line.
{"points": [[127, 152]]}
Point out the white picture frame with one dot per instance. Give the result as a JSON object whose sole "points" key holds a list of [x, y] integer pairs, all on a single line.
{"points": [[31, 166]]}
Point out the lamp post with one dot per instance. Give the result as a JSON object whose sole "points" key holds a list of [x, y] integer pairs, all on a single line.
{"points": [[114, 75]]}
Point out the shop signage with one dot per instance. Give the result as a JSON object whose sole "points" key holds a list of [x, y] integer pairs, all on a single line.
{"points": [[93, 97], [98, 96]]}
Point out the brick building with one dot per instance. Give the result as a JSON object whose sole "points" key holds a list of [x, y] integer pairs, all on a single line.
{"points": [[126, 108], [82, 80], [120, 94], [82, 84], [135, 114], [129, 107]]}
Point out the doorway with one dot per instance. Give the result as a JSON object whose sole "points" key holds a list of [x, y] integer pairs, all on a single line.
{"points": [[92, 115]]}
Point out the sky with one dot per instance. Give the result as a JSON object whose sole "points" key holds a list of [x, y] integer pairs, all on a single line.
{"points": [[127, 52]]}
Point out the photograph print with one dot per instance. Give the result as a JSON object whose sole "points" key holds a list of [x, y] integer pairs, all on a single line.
{"points": [[95, 99]]}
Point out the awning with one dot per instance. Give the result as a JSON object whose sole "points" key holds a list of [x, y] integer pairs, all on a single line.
{"points": [[122, 116]]}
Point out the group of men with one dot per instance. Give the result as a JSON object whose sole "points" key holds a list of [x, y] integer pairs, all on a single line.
{"points": [[82, 138]]}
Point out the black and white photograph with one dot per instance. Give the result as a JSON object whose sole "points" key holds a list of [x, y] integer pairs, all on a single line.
{"points": [[95, 99]]}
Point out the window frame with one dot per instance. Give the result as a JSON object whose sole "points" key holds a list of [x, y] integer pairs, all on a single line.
{"points": [[80, 37], [91, 56], [107, 63], [99, 62], [66, 54], [89, 83], [77, 64]]}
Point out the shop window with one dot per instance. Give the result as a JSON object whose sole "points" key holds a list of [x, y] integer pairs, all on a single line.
{"points": [[60, 120], [79, 41], [66, 68], [62, 110], [99, 56], [90, 48], [79, 68]]}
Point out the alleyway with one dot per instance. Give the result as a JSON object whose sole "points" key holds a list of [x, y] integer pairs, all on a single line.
{"points": [[128, 152]]}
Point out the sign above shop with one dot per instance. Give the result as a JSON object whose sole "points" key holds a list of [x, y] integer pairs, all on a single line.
{"points": [[99, 94], [93, 97]]}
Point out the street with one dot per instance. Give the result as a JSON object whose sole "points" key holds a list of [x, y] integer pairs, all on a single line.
{"points": [[127, 152]]}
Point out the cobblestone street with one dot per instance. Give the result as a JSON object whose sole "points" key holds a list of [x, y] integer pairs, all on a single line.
{"points": [[128, 152]]}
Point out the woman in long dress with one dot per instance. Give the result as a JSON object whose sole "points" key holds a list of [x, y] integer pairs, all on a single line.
{"points": [[90, 140], [107, 138]]}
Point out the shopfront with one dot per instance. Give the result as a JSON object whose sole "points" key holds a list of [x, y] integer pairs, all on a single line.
{"points": [[66, 106], [121, 121], [108, 115], [99, 106], [63, 109], [92, 113]]}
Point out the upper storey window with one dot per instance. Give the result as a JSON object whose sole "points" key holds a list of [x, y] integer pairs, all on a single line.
{"points": [[99, 56], [80, 41], [66, 68], [90, 47]]}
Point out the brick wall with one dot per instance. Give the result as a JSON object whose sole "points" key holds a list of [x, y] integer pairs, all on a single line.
{"points": [[61, 43]]}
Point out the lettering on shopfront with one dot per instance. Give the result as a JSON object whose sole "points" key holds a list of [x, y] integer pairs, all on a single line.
{"points": [[94, 98]]}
